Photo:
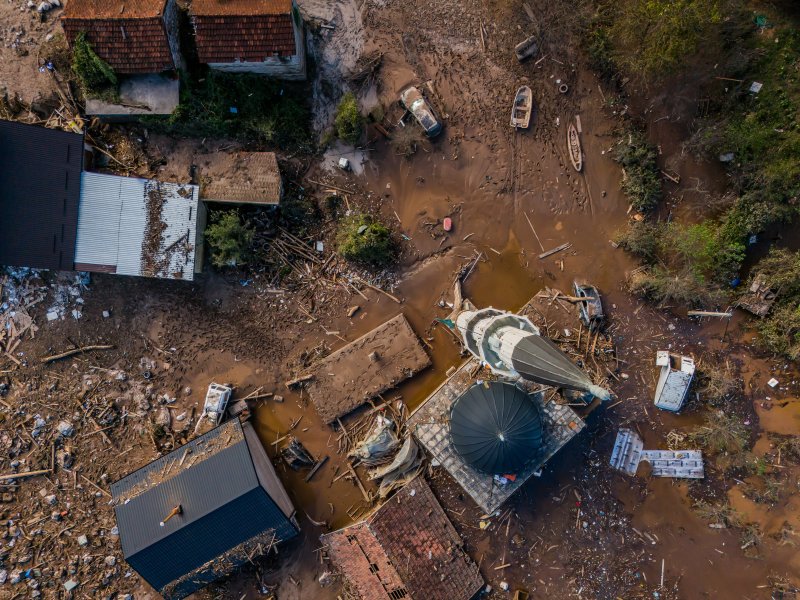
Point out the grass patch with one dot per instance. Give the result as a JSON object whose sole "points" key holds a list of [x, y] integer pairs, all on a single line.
{"points": [[247, 107], [364, 240]]}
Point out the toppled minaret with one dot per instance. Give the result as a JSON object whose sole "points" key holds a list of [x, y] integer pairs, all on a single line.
{"points": [[512, 347]]}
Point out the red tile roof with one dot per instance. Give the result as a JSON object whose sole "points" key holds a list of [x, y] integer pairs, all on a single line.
{"points": [[407, 544], [240, 8], [246, 38], [136, 45], [113, 9]]}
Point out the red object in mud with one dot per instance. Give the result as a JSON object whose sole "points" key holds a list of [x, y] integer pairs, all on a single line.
{"points": [[447, 224]]}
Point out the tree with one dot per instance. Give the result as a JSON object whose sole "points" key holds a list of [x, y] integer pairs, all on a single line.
{"points": [[653, 37], [349, 122], [229, 239], [364, 240]]}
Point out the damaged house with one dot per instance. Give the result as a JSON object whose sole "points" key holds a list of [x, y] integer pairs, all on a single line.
{"points": [[406, 549], [139, 41], [59, 217], [250, 36], [200, 512]]}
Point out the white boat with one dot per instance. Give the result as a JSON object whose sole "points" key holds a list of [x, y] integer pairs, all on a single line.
{"points": [[523, 106]]}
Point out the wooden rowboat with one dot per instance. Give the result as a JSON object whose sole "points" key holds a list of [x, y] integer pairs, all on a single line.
{"points": [[574, 148], [521, 111]]}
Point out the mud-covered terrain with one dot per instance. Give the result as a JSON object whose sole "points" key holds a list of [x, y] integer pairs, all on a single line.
{"points": [[579, 531]]}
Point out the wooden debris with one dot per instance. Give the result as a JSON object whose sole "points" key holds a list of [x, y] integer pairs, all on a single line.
{"points": [[75, 351], [555, 250]]}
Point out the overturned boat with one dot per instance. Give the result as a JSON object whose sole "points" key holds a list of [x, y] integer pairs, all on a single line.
{"points": [[523, 106], [590, 307]]}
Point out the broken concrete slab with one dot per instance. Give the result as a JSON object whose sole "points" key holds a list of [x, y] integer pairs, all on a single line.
{"points": [[347, 378], [151, 94], [629, 451]]}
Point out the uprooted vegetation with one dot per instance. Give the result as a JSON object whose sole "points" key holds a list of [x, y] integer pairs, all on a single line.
{"points": [[95, 76], [718, 381], [640, 178], [723, 433]]}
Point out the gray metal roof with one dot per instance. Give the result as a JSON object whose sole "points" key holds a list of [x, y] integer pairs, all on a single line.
{"points": [[133, 226], [538, 359], [223, 504], [40, 172]]}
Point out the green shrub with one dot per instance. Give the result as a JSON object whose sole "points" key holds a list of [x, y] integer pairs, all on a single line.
{"points": [[349, 122], [639, 238], [642, 182], [229, 239], [364, 240], [94, 74]]}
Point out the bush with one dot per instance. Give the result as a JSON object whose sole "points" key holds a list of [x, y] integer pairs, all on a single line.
{"points": [[363, 240], [229, 239], [642, 182], [641, 239], [780, 332], [95, 75], [781, 268], [349, 122]]}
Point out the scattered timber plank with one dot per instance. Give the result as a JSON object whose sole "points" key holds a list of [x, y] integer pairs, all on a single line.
{"points": [[317, 467], [298, 380], [75, 351], [25, 475], [706, 313], [555, 250]]}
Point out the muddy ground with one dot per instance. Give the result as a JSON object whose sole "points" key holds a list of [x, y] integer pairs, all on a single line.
{"points": [[579, 531]]}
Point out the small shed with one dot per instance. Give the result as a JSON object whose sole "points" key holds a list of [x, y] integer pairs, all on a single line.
{"points": [[142, 227], [250, 36], [201, 511], [406, 549], [241, 178], [132, 36]]}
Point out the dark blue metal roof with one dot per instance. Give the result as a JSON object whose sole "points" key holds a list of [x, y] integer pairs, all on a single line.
{"points": [[40, 182], [223, 504]]}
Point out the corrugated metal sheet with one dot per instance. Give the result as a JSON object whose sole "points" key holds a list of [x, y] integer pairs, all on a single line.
{"points": [[222, 504], [139, 226], [39, 195]]}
